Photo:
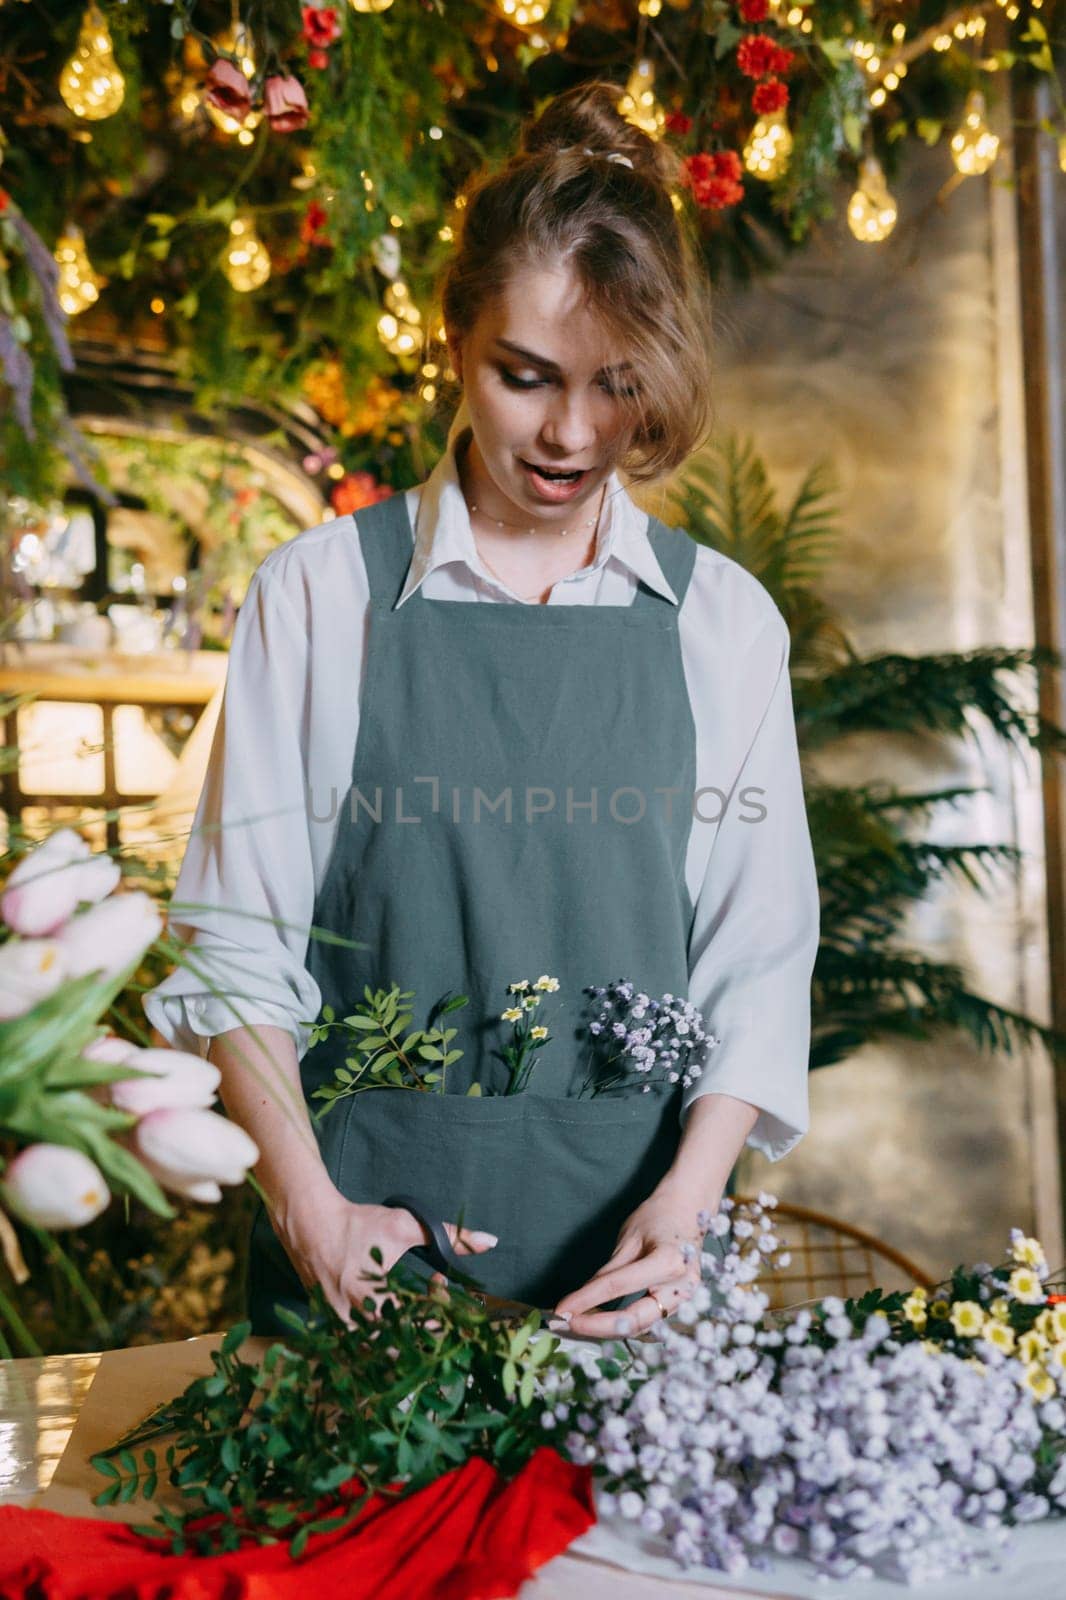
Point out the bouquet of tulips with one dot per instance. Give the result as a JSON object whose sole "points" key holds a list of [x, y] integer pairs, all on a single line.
{"points": [[81, 1110]]}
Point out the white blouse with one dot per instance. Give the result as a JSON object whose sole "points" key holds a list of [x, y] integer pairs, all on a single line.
{"points": [[281, 765]]}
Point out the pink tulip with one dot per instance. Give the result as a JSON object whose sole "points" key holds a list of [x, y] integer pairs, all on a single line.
{"points": [[179, 1079], [110, 1048], [110, 936], [47, 885], [227, 89], [54, 1186], [285, 104], [30, 969], [191, 1152]]}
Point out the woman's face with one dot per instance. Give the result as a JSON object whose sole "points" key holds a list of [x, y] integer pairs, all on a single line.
{"points": [[544, 392]]}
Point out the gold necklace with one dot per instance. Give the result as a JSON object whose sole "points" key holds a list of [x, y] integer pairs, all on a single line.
{"points": [[498, 575]]}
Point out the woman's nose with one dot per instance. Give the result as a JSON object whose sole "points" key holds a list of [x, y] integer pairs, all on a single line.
{"points": [[569, 427]]}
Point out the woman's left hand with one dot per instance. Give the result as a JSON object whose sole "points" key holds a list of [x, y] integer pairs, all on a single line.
{"points": [[649, 1255]]}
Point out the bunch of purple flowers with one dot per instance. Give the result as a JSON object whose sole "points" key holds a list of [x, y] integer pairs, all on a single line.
{"points": [[635, 1035], [736, 1434]]}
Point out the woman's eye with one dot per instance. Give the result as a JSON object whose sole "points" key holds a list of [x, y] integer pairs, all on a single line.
{"points": [[616, 393], [520, 383]]}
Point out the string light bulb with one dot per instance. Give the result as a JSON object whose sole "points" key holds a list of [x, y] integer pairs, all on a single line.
{"points": [[523, 13], [974, 145], [79, 286], [638, 104], [246, 261], [400, 325], [767, 152], [91, 83], [367, 6], [871, 210]]}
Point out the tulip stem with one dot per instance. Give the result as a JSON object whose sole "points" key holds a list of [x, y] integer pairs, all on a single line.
{"points": [[55, 1253], [18, 1327]]}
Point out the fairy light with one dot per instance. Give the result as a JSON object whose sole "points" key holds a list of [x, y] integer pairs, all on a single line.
{"points": [[974, 145], [878, 96], [157, 304], [523, 13], [871, 210], [445, 234], [246, 261], [400, 324], [365, 7], [767, 152], [91, 83], [649, 8], [942, 41], [79, 286], [638, 104]]}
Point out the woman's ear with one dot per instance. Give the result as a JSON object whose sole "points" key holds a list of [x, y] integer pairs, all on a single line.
{"points": [[455, 355]]}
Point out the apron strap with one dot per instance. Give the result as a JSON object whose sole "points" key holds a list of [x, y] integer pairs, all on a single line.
{"points": [[387, 549]]}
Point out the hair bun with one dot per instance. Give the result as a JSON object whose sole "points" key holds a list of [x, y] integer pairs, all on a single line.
{"points": [[586, 119]]}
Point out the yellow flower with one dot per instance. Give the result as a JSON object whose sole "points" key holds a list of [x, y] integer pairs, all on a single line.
{"points": [[999, 1336], [914, 1311], [516, 988], [1030, 1252], [538, 1033], [544, 982], [1057, 1320], [512, 1014], [1041, 1383], [530, 1000], [939, 1308], [967, 1318], [1056, 1357], [1031, 1345], [999, 1310], [919, 1293], [1025, 1285]]}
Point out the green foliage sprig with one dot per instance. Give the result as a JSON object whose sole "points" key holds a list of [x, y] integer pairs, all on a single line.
{"points": [[294, 1443], [385, 1055]]}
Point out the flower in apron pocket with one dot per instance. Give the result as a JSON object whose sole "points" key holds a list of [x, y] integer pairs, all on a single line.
{"points": [[636, 1038]]}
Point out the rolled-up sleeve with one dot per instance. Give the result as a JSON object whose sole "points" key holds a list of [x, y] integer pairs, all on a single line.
{"points": [[756, 921], [244, 897]]}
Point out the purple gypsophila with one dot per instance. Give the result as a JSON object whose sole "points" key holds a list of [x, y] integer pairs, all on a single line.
{"points": [[636, 1040]]}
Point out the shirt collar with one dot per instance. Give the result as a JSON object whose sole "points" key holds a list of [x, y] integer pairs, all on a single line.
{"points": [[443, 532]]}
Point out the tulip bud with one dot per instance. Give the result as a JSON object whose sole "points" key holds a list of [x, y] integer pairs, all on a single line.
{"points": [[178, 1079], [110, 936], [109, 1047], [53, 1186], [30, 969], [47, 885], [191, 1151]]}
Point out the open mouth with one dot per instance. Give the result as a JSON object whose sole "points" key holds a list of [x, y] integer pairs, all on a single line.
{"points": [[552, 484]]}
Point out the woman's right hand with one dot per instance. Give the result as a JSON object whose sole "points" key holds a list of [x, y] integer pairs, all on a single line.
{"points": [[329, 1239]]}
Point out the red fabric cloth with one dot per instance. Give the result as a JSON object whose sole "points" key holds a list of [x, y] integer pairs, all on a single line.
{"points": [[468, 1536]]}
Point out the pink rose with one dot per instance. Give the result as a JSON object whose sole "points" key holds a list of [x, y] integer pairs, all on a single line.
{"points": [[53, 1186], [285, 104], [227, 89]]}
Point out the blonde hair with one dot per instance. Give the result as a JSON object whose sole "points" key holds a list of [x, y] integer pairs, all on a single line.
{"points": [[560, 198]]}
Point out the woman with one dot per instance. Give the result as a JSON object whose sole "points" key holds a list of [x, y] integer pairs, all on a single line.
{"points": [[515, 626]]}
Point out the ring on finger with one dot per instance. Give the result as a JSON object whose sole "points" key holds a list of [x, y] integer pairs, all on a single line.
{"points": [[662, 1309]]}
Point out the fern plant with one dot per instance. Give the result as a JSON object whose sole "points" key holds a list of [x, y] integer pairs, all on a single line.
{"points": [[872, 863]]}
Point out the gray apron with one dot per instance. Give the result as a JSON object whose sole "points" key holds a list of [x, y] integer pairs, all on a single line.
{"points": [[521, 804]]}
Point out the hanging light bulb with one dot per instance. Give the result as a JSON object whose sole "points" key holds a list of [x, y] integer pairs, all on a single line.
{"points": [[79, 286], [871, 209], [236, 42], [400, 326], [523, 13], [769, 146], [638, 104], [247, 260], [974, 145], [370, 5], [91, 83]]}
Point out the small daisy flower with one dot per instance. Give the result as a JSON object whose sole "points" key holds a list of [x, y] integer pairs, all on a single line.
{"points": [[516, 988], [538, 1033], [512, 1014], [914, 1309], [967, 1318], [549, 985], [1024, 1284], [1032, 1345], [999, 1336], [1038, 1381]]}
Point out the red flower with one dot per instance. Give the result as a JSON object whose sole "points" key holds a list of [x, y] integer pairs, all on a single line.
{"points": [[285, 104], [714, 178], [756, 55], [320, 25], [228, 89], [356, 490], [318, 59], [4, 200], [783, 60], [754, 10], [678, 122], [769, 96], [313, 225]]}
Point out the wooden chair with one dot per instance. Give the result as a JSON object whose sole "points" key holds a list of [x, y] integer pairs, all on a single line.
{"points": [[832, 1257]]}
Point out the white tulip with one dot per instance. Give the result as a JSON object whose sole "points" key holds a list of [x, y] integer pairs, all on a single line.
{"points": [[48, 884], [191, 1151], [53, 1186], [110, 936], [30, 969], [179, 1079]]}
